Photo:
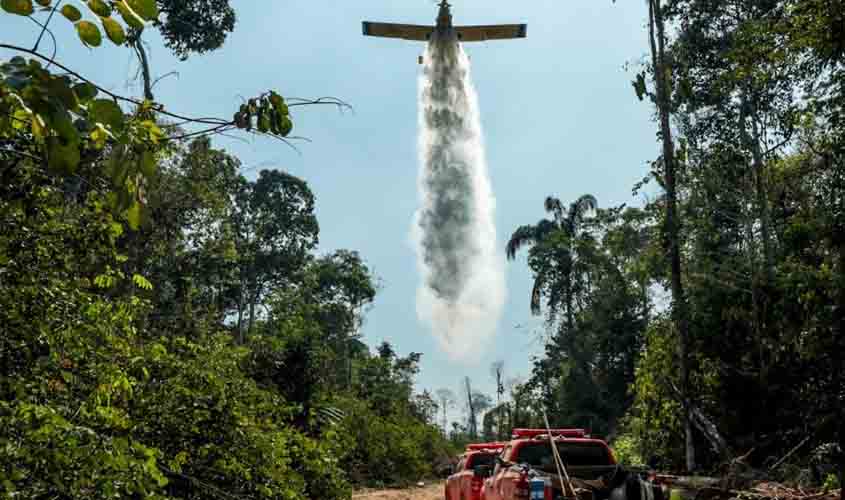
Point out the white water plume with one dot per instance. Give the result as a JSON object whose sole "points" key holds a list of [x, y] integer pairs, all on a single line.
{"points": [[463, 286]]}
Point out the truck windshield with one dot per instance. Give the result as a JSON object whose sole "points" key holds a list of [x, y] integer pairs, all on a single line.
{"points": [[573, 454], [480, 459]]}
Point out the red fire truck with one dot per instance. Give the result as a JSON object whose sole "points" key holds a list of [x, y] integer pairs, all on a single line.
{"points": [[473, 466], [529, 457]]}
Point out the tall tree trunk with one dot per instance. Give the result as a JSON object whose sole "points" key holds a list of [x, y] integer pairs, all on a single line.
{"points": [[839, 340], [251, 315], [348, 363], [570, 320], [662, 76], [760, 281], [241, 306], [838, 381], [756, 316], [473, 425]]}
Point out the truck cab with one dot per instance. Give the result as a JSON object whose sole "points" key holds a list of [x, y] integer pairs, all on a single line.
{"points": [[474, 465]]}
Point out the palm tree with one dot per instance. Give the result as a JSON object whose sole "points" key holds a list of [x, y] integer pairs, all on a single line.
{"points": [[553, 253]]}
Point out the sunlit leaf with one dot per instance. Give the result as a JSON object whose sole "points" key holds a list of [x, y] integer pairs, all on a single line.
{"points": [[133, 215], [129, 16], [146, 9], [114, 31], [43, 3], [71, 13], [141, 282], [89, 33], [147, 163], [99, 135], [39, 128], [19, 7], [99, 7]]}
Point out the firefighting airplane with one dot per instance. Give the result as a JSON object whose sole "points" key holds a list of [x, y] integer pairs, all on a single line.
{"points": [[445, 30]]}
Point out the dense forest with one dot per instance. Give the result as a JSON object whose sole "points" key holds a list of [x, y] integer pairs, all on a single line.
{"points": [[168, 329], [708, 323]]}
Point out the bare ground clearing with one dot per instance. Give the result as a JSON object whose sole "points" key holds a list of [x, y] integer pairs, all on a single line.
{"points": [[431, 491]]}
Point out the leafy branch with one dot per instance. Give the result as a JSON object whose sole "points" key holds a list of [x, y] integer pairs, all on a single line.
{"points": [[268, 114]]}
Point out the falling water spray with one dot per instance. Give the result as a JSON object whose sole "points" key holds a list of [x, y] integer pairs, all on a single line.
{"points": [[462, 289]]}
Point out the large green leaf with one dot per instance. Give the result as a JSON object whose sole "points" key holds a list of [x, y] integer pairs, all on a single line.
{"points": [[61, 88], [19, 7], [99, 7], [106, 111], [60, 121], [279, 103], [147, 9], [71, 13], [147, 163], [129, 16], [89, 33], [286, 126], [142, 282], [114, 31]]}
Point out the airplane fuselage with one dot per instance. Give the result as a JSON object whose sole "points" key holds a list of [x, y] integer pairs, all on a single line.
{"points": [[444, 21]]}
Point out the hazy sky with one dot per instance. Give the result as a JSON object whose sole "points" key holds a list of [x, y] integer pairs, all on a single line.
{"points": [[559, 115]]}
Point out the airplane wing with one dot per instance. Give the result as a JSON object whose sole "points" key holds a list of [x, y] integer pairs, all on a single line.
{"points": [[403, 31], [497, 32]]}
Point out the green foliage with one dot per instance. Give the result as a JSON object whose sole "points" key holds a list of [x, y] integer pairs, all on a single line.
{"points": [[594, 274], [268, 113], [394, 442], [195, 26], [626, 448], [831, 482], [123, 255]]}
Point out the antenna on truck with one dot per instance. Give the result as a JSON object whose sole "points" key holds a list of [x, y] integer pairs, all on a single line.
{"points": [[561, 469]]}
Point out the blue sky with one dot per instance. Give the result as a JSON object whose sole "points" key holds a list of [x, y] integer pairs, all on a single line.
{"points": [[559, 116]]}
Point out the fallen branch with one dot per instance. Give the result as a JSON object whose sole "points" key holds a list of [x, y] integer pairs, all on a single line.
{"points": [[704, 424], [791, 452]]}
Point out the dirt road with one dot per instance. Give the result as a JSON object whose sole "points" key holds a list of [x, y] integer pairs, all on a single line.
{"points": [[433, 491]]}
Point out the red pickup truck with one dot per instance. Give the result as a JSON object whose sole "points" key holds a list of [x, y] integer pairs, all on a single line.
{"points": [[465, 481], [528, 456]]}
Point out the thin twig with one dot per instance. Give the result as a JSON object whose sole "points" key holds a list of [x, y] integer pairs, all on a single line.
{"points": [[20, 153], [162, 77], [52, 36], [55, 7]]}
